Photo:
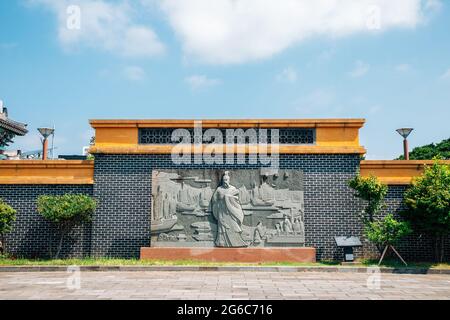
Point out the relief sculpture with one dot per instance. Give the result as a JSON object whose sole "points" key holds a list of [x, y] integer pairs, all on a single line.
{"points": [[227, 211], [230, 209]]}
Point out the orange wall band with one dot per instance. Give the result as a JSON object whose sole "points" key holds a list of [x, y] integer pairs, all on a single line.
{"points": [[333, 136], [237, 149], [82, 172], [46, 172], [395, 172]]}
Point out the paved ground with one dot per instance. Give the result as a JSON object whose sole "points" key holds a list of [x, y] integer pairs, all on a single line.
{"points": [[221, 285]]}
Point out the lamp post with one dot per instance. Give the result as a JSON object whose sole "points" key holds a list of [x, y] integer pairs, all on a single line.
{"points": [[45, 132], [405, 132]]}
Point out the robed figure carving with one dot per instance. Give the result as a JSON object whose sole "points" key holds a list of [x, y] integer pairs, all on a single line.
{"points": [[227, 210]]}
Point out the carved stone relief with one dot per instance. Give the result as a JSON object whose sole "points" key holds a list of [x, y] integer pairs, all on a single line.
{"points": [[235, 208]]}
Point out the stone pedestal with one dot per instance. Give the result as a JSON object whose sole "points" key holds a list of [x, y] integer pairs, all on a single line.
{"points": [[245, 255]]}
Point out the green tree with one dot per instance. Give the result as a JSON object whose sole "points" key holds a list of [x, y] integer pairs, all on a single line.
{"points": [[373, 192], [66, 212], [428, 152], [388, 231], [428, 204], [7, 218]]}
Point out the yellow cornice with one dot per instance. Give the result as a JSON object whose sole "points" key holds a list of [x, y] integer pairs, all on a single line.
{"points": [[46, 172], [35, 164], [395, 172], [237, 149], [229, 123]]}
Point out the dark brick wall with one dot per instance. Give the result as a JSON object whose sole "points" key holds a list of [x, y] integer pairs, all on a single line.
{"points": [[123, 183], [32, 236], [121, 224]]}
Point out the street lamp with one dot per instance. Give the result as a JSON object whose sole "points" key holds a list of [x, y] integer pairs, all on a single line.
{"points": [[405, 132], [45, 132]]}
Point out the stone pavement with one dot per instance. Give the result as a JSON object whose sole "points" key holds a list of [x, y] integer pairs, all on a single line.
{"points": [[221, 285]]}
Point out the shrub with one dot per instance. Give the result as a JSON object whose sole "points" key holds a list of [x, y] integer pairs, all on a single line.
{"points": [[66, 212], [383, 232], [388, 231], [7, 218]]}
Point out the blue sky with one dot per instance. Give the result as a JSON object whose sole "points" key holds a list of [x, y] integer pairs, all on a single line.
{"points": [[386, 61]]}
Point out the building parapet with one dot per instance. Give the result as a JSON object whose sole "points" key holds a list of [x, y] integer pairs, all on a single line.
{"points": [[395, 172], [32, 172], [331, 136]]}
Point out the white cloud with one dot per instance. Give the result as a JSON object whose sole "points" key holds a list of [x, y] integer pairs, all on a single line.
{"points": [[141, 41], [446, 75], [197, 82], [103, 25], [404, 67], [236, 31], [134, 73], [360, 69], [230, 31], [287, 75], [434, 5]]}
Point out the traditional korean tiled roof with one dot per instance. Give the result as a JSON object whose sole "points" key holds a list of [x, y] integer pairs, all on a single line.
{"points": [[19, 129], [10, 128]]}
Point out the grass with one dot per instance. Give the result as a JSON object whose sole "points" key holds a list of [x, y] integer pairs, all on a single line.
{"points": [[135, 262], [398, 264]]}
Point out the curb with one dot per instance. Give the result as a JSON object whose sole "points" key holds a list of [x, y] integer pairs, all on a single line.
{"points": [[223, 269]]}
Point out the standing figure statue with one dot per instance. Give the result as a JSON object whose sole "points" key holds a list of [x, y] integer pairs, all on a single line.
{"points": [[287, 225], [227, 210]]}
